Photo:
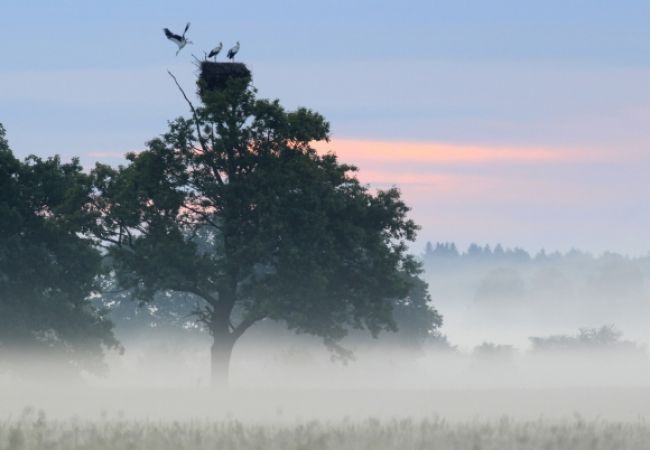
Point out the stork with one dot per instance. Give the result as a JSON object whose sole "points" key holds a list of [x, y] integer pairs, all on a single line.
{"points": [[181, 41], [215, 51], [233, 51]]}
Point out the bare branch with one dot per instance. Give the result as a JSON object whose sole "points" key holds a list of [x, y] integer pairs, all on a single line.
{"points": [[194, 113], [184, 95], [197, 123]]}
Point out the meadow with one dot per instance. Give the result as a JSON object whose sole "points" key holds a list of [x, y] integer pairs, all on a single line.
{"points": [[34, 431]]}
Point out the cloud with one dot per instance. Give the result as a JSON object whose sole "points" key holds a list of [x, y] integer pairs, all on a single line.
{"points": [[439, 153], [536, 197]]}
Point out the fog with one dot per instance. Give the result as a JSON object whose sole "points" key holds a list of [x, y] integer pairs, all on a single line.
{"points": [[289, 362], [288, 381], [537, 338], [506, 296]]}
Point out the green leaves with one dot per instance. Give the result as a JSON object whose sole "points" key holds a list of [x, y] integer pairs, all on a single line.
{"points": [[235, 207], [306, 126], [47, 270]]}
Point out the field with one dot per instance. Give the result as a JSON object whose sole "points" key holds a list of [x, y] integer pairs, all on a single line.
{"points": [[153, 419], [33, 431]]}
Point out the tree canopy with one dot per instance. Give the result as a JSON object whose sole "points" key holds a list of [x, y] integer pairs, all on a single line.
{"points": [[235, 207], [47, 269]]}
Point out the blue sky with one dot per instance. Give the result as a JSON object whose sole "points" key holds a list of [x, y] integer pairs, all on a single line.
{"points": [[569, 77]]}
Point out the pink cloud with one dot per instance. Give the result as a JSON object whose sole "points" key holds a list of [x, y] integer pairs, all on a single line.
{"points": [[434, 173], [441, 153]]}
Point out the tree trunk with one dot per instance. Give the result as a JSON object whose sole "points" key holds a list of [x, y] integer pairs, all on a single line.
{"points": [[223, 339], [220, 359]]}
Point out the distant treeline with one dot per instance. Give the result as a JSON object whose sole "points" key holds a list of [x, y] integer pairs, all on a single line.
{"points": [[603, 339], [500, 292], [445, 251], [510, 274]]}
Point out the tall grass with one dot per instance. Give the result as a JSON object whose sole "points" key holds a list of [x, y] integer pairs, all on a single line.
{"points": [[34, 432]]}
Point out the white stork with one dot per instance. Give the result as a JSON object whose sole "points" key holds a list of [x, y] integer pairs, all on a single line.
{"points": [[181, 41], [233, 51], [215, 51]]}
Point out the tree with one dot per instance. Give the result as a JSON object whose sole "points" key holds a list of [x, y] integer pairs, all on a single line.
{"points": [[489, 352], [416, 320], [605, 338], [235, 207], [47, 270]]}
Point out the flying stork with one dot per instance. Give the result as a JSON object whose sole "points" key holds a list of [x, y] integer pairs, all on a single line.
{"points": [[215, 51], [233, 51], [181, 41]]}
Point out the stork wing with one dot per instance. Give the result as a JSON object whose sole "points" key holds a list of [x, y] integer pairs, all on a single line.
{"points": [[171, 36], [187, 27]]}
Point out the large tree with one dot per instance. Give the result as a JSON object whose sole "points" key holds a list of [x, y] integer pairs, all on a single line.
{"points": [[235, 207], [48, 272]]}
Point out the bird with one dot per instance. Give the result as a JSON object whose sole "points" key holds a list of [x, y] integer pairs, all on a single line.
{"points": [[215, 51], [233, 51], [181, 41]]}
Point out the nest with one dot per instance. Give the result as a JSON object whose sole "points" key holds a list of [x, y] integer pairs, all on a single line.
{"points": [[216, 75]]}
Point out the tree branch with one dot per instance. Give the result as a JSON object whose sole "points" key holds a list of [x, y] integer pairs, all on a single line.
{"points": [[196, 122], [246, 324], [194, 113]]}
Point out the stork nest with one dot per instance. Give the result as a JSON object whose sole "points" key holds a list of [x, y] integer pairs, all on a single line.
{"points": [[216, 75]]}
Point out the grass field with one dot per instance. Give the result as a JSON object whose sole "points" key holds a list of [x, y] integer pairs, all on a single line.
{"points": [[184, 419], [33, 431]]}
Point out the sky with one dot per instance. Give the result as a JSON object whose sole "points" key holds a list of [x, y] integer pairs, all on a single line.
{"points": [[521, 123]]}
